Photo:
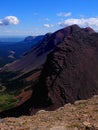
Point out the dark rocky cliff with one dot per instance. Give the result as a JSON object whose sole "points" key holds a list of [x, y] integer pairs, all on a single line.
{"points": [[71, 70]]}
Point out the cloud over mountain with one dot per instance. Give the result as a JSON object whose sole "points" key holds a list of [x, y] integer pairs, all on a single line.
{"points": [[48, 25], [92, 22], [8, 20], [64, 14]]}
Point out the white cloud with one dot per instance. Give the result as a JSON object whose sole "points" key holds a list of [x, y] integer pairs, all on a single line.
{"points": [[92, 22], [48, 25], [64, 14], [47, 19], [67, 14], [8, 20], [81, 15]]}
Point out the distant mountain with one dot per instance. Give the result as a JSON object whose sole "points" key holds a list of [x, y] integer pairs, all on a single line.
{"points": [[33, 58], [61, 68], [40, 51], [19, 48], [33, 39], [12, 39]]}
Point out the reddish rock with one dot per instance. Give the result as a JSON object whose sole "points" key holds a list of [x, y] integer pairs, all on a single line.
{"points": [[71, 70]]}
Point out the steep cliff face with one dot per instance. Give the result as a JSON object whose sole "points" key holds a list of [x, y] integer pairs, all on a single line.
{"points": [[71, 70]]}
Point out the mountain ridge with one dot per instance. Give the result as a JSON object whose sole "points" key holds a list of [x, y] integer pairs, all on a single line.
{"points": [[65, 74], [71, 57], [19, 48]]}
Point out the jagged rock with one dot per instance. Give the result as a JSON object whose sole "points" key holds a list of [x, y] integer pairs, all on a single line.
{"points": [[70, 71], [83, 117]]}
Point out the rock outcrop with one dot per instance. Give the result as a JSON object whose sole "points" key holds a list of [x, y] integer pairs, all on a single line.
{"points": [[83, 115], [71, 70]]}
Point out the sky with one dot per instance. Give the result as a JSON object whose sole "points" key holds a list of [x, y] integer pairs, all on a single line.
{"points": [[36, 17]]}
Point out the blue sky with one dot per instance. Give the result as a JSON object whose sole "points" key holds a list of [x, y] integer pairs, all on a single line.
{"points": [[34, 17]]}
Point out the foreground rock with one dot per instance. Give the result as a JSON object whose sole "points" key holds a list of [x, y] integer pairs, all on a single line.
{"points": [[83, 115]]}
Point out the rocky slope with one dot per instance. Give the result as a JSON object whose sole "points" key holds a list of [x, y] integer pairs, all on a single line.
{"points": [[38, 54], [70, 73], [82, 115], [10, 51]]}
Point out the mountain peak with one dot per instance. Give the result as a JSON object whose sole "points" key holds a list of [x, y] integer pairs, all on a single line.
{"points": [[73, 28], [68, 72], [89, 30]]}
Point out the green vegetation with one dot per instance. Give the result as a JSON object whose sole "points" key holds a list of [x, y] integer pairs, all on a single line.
{"points": [[2, 88], [13, 84], [27, 88], [7, 101], [30, 73]]}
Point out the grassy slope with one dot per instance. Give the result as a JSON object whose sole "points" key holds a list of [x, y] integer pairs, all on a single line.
{"points": [[15, 89]]}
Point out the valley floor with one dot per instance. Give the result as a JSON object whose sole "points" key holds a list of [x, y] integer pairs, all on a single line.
{"points": [[83, 115]]}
